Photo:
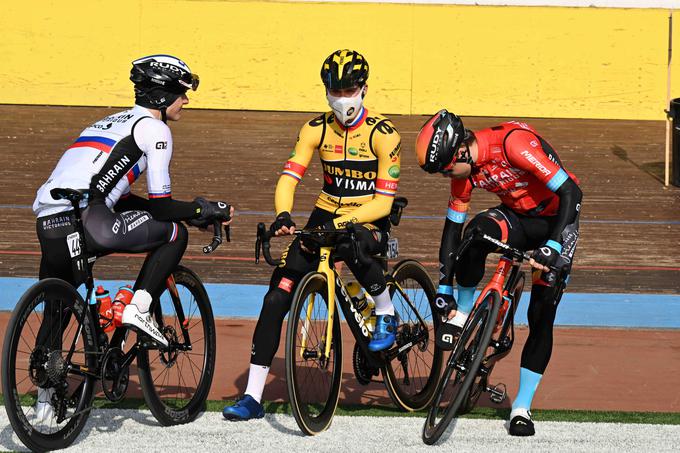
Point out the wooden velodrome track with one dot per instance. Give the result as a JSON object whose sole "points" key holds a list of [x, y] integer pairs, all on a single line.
{"points": [[629, 242]]}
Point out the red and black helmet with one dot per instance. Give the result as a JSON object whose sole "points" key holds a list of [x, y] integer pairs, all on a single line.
{"points": [[439, 140], [344, 69]]}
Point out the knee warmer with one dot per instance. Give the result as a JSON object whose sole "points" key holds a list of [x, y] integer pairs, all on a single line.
{"points": [[267, 333]]}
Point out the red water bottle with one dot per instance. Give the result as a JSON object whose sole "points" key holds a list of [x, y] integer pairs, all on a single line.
{"points": [[104, 308], [123, 298]]}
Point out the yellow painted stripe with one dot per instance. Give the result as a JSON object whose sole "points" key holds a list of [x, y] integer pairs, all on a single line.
{"points": [[475, 60]]}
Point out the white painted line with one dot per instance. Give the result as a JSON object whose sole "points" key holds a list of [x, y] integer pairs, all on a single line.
{"points": [[131, 431]]}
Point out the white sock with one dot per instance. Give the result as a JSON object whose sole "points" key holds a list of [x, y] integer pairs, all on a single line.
{"points": [[521, 412], [257, 376], [383, 303], [142, 300]]}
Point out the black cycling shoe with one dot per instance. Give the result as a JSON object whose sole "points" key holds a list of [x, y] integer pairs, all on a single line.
{"points": [[521, 426]]}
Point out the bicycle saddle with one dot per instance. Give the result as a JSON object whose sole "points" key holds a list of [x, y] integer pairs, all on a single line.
{"points": [[72, 195]]}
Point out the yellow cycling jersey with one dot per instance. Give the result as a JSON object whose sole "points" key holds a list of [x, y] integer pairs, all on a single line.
{"points": [[361, 166]]}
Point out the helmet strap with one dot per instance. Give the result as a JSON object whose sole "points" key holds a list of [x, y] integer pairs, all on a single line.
{"points": [[164, 116], [464, 155]]}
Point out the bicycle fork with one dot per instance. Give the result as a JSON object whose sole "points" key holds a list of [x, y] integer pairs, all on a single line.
{"points": [[325, 269]]}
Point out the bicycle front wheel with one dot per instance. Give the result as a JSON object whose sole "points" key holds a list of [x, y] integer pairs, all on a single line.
{"points": [[176, 381], [412, 374], [462, 368], [313, 367], [49, 344]]}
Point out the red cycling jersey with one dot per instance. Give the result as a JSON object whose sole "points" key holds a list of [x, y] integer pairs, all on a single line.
{"points": [[516, 164]]}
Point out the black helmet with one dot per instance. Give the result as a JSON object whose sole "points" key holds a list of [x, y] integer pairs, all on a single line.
{"points": [[344, 69], [438, 140], [160, 79]]}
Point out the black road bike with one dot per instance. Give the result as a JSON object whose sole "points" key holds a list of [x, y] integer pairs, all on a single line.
{"points": [[56, 349]]}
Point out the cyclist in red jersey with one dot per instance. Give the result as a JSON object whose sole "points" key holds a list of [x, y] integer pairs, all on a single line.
{"points": [[539, 210]]}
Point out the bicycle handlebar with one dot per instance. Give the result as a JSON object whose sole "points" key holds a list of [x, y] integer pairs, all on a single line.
{"points": [[263, 242], [517, 254]]}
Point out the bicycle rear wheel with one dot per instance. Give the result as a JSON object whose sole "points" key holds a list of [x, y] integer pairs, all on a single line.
{"points": [[313, 379], [411, 376], [176, 382], [49, 321], [462, 368]]}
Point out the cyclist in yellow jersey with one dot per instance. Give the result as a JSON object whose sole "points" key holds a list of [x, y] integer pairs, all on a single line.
{"points": [[360, 155]]}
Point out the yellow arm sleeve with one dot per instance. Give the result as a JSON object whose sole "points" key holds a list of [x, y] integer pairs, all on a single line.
{"points": [[387, 146], [294, 169]]}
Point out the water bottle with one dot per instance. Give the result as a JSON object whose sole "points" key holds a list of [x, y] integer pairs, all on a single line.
{"points": [[123, 298], [104, 308], [363, 302]]}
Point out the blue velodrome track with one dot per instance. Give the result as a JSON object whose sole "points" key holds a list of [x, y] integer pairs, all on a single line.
{"points": [[648, 311]]}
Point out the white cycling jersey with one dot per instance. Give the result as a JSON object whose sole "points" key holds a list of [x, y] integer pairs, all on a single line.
{"points": [[108, 157]]}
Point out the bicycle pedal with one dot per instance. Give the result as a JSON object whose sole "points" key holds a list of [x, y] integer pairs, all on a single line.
{"points": [[497, 393]]}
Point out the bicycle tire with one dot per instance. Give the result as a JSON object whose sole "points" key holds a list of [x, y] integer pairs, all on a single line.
{"points": [[479, 330], [313, 413], [72, 311], [416, 392], [184, 407]]}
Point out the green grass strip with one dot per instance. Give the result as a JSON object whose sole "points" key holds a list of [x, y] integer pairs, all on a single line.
{"points": [[651, 418]]}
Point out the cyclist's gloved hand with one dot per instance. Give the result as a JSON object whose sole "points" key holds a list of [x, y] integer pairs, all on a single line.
{"points": [[282, 221], [547, 255], [213, 210], [444, 302], [200, 224]]}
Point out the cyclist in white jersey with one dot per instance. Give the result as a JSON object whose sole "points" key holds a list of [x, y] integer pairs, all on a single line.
{"points": [[106, 159]]}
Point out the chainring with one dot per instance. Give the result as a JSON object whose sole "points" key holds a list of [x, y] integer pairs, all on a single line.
{"points": [[114, 376], [362, 370]]}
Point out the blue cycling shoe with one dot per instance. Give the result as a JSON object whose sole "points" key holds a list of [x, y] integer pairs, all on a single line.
{"points": [[385, 333], [244, 409]]}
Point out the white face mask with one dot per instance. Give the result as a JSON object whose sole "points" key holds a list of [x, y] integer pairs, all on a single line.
{"points": [[346, 109]]}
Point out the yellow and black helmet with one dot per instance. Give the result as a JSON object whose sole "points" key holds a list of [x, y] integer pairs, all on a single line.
{"points": [[344, 69]]}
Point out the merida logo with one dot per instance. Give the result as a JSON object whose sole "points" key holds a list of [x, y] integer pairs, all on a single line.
{"points": [[111, 175], [536, 163]]}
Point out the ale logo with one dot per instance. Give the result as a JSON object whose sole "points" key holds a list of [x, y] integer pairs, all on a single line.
{"points": [[353, 151], [394, 171]]}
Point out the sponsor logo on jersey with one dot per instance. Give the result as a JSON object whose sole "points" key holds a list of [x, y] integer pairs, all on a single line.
{"points": [[112, 174], [348, 172], [338, 149], [395, 152], [286, 284], [394, 171], [161, 145], [137, 222], [353, 184], [353, 151], [536, 163]]}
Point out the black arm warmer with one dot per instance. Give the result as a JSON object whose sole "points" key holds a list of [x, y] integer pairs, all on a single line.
{"points": [[132, 203], [570, 204], [447, 251], [167, 209]]}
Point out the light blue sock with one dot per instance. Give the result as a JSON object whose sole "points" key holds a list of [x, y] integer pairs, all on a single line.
{"points": [[466, 298], [528, 383]]}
